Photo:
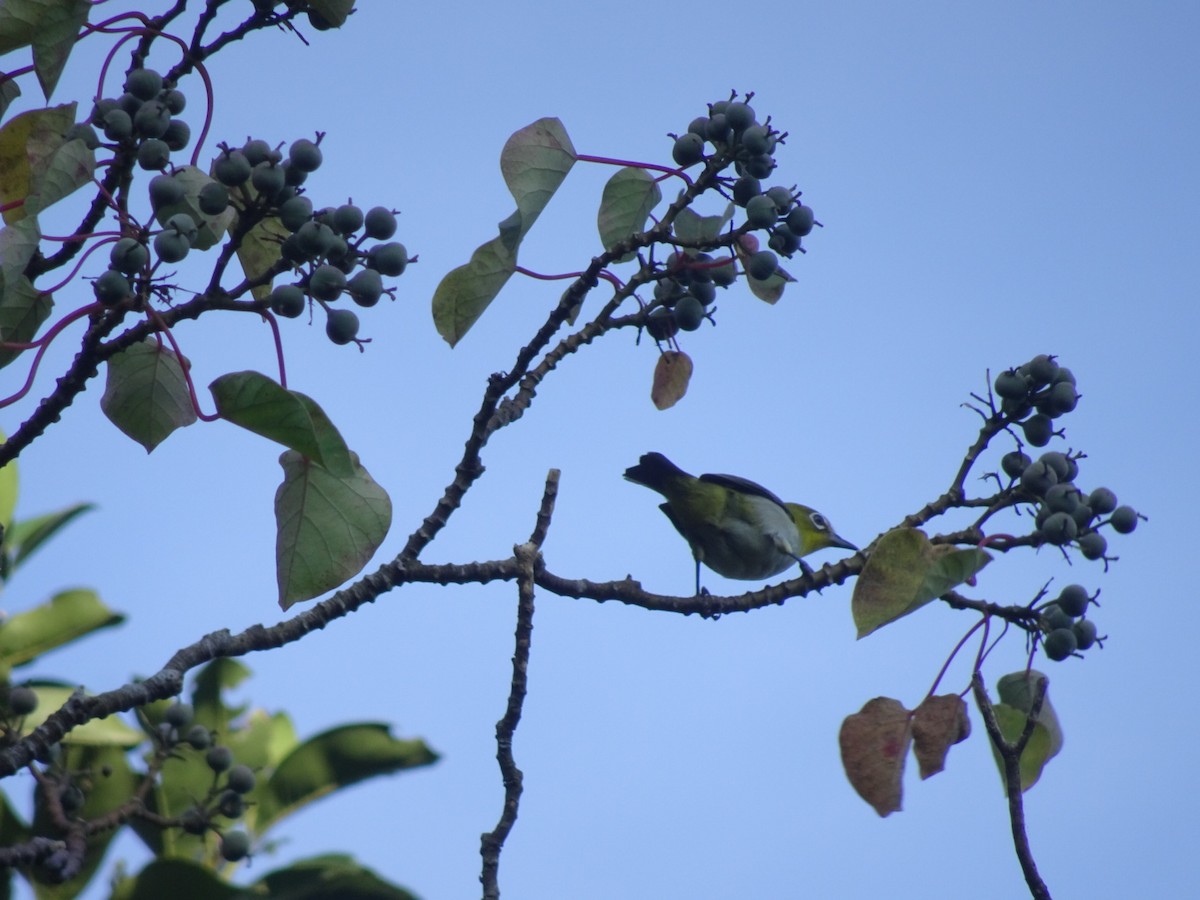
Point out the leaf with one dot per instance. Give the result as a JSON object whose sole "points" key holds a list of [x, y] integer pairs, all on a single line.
{"points": [[534, 162], [691, 226], [329, 526], [903, 573], [110, 732], [70, 168], [330, 877], [28, 144], [465, 292], [9, 484], [50, 26], [27, 535], [1017, 691], [9, 91], [210, 229], [937, 724], [874, 742], [672, 373], [23, 309], [333, 11], [259, 250], [66, 617], [333, 760], [258, 404], [146, 393], [628, 198], [179, 879]]}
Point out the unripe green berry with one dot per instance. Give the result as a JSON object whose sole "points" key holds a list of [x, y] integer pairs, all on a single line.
{"points": [[1014, 463], [1124, 519], [688, 150], [288, 300], [379, 223], [1073, 600], [1093, 545], [761, 212], [198, 737], [762, 265], [219, 758], [178, 715], [1060, 643], [342, 326], [1085, 633], [111, 288], [22, 700], [388, 259], [240, 779], [689, 312], [235, 845]]}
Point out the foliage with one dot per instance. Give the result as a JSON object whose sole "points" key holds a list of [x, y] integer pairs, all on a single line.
{"points": [[192, 771]]}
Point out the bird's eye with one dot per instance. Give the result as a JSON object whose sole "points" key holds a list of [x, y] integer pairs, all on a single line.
{"points": [[819, 522]]}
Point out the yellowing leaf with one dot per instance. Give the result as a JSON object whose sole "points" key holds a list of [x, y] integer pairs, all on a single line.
{"points": [[672, 373]]}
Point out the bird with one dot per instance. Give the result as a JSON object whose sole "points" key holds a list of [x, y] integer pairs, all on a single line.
{"points": [[734, 526]]}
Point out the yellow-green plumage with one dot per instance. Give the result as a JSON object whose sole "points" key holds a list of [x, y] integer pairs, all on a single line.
{"points": [[737, 528]]}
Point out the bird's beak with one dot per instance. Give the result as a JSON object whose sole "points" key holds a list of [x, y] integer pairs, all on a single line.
{"points": [[836, 540]]}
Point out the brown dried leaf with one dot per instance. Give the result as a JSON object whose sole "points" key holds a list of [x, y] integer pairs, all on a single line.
{"points": [[671, 376], [874, 742], [938, 723]]}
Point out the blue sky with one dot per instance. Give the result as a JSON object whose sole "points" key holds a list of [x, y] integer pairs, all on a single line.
{"points": [[994, 182]]}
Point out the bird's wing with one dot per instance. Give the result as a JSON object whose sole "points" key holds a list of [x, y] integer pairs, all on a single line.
{"points": [[742, 485]]}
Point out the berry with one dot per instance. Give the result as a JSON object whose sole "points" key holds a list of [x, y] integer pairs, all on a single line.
{"points": [[1038, 430], [22, 701], [800, 220], [288, 300], [704, 291], [699, 125], [762, 265], [231, 805], [342, 326], [1063, 497], [1064, 467], [235, 845], [661, 324], [745, 189], [1060, 643], [315, 238], [194, 821], [723, 276], [1059, 528], [689, 312], [1124, 519], [379, 223], [781, 197], [718, 129], [1055, 616], [219, 758], [232, 168], [111, 288], [1085, 633], [143, 83], [213, 198], [267, 179], [305, 155], [1073, 600], [257, 152], [170, 246], [688, 150], [1011, 386], [128, 255], [83, 132], [178, 134], [761, 211], [152, 119], [118, 125], [1102, 501], [347, 219], [199, 737], [185, 226], [292, 176], [366, 287], [1042, 369], [783, 241], [1038, 478], [1014, 463], [175, 101], [178, 715], [758, 166], [153, 154], [165, 191], [388, 259], [327, 283], [740, 116], [294, 213], [1093, 545], [756, 140], [241, 779]]}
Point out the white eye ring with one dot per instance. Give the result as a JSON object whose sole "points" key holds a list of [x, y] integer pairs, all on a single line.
{"points": [[819, 521]]}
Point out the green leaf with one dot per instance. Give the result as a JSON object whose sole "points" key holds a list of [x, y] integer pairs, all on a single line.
{"points": [[27, 535], [329, 526], [66, 617], [628, 199], [333, 760], [691, 226], [903, 573], [28, 144], [333, 11], [179, 879], [9, 484], [110, 732], [146, 394], [212, 681], [50, 26], [1017, 691], [211, 229], [69, 168], [331, 877], [9, 91], [534, 162], [466, 292], [23, 309], [258, 404]]}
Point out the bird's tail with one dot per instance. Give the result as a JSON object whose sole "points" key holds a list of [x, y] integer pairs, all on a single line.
{"points": [[656, 472]]}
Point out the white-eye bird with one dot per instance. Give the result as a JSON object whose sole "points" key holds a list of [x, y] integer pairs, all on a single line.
{"points": [[737, 528]]}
